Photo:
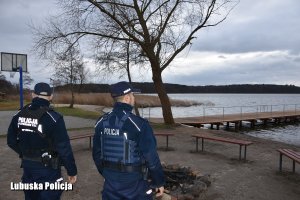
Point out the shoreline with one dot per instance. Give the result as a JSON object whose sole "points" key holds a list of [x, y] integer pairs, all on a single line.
{"points": [[272, 130]]}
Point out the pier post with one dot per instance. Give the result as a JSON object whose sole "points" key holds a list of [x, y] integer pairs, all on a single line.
{"points": [[236, 126], [265, 122], [252, 123]]}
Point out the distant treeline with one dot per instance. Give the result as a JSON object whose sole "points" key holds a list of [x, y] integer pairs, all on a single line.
{"points": [[176, 88], [8, 88]]}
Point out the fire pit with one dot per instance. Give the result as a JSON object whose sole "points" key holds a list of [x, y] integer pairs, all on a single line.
{"points": [[182, 183]]}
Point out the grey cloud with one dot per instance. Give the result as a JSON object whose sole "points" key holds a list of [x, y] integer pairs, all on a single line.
{"points": [[233, 77], [15, 33], [253, 26], [221, 56], [272, 25], [261, 70]]}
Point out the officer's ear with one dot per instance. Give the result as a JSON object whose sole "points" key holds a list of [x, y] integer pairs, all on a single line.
{"points": [[51, 97], [126, 98], [33, 95]]}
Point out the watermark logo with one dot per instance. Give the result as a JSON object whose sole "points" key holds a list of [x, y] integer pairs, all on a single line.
{"points": [[41, 186]]}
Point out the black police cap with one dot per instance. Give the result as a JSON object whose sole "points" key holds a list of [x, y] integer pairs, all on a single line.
{"points": [[121, 88], [42, 89]]}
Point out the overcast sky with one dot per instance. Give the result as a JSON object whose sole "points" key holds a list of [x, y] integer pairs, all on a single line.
{"points": [[259, 43]]}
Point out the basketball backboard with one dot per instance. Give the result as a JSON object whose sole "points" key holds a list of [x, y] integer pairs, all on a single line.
{"points": [[12, 61]]}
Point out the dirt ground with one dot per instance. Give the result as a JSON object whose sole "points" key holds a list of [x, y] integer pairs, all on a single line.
{"points": [[257, 178]]}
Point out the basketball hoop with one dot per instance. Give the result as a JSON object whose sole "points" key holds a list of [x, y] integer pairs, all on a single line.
{"points": [[14, 62]]}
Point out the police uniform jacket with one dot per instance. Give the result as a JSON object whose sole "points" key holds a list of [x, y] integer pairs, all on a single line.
{"points": [[139, 131], [27, 144]]}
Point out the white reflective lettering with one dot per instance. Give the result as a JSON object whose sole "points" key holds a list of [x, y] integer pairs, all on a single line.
{"points": [[128, 90], [40, 129], [27, 122], [111, 131]]}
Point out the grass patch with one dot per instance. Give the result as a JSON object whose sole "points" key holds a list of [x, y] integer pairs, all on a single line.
{"points": [[77, 112]]}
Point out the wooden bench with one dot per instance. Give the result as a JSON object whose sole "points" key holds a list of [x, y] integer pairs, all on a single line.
{"points": [[226, 140], [167, 138], [295, 156], [89, 135]]}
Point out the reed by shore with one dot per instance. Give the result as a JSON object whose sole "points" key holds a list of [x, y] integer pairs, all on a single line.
{"points": [[104, 99]]}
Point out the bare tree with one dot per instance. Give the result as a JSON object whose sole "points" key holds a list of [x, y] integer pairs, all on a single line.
{"points": [[83, 75], [120, 60], [69, 68], [161, 29], [64, 55], [27, 80]]}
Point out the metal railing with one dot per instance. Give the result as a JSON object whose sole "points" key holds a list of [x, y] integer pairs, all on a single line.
{"points": [[144, 113], [255, 110], [221, 112]]}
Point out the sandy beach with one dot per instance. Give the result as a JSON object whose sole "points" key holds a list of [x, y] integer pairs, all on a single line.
{"points": [[257, 178]]}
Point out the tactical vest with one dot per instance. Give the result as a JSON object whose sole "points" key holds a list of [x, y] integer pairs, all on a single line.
{"points": [[115, 146], [29, 123], [28, 120]]}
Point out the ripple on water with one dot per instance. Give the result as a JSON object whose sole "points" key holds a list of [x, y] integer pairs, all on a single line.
{"points": [[288, 134]]}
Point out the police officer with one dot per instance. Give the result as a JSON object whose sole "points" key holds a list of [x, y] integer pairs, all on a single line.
{"points": [[38, 134], [124, 149]]}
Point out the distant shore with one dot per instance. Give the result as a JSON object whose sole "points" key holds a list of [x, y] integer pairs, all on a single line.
{"points": [[171, 88], [104, 99]]}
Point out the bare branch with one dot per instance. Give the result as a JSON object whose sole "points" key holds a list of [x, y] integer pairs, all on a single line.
{"points": [[113, 17], [204, 24], [156, 30]]}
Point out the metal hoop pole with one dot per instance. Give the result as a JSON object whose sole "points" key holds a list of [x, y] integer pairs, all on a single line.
{"points": [[21, 86]]}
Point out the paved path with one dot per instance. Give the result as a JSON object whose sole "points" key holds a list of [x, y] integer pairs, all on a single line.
{"points": [[71, 122]]}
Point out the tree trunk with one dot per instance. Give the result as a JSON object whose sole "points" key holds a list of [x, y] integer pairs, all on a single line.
{"points": [[80, 86], [136, 109], [164, 99], [72, 83], [72, 98]]}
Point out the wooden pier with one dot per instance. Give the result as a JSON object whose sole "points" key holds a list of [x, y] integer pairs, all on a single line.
{"points": [[237, 119]]}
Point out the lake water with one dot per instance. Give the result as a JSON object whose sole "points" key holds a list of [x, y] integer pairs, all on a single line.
{"points": [[240, 103]]}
